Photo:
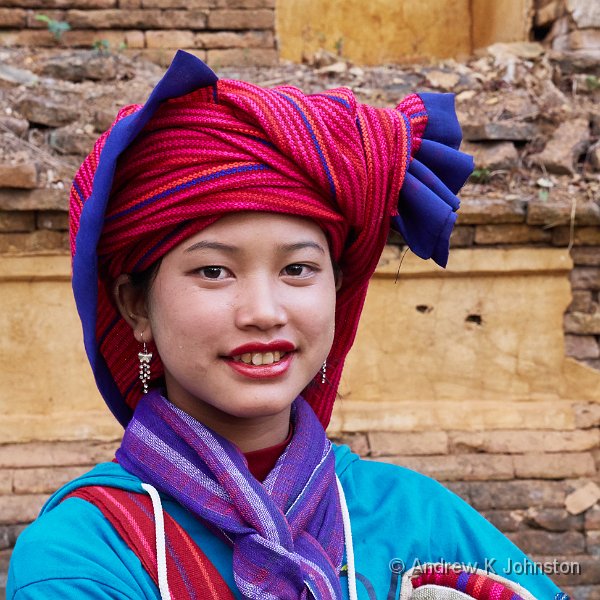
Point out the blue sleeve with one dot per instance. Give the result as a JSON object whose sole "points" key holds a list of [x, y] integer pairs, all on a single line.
{"points": [[72, 552]]}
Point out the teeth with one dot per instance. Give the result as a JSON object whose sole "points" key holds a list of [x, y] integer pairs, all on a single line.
{"points": [[259, 358]]}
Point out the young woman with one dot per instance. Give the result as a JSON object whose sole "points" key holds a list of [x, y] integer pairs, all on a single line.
{"points": [[223, 238]]}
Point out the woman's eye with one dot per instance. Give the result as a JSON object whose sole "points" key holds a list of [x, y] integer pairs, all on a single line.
{"points": [[297, 270], [213, 272]]}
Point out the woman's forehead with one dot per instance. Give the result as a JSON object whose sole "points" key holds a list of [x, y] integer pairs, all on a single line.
{"points": [[236, 229]]}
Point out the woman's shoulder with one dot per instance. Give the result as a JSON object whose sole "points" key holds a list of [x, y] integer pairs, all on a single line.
{"points": [[71, 548]]}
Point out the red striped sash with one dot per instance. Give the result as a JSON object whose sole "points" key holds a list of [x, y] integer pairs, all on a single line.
{"points": [[191, 574]]}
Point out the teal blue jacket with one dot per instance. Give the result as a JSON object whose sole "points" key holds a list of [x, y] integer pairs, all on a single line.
{"points": [[399, 519]]}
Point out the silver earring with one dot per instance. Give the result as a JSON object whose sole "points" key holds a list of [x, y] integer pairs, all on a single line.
{"points": [[145, 358], [323, 371]]}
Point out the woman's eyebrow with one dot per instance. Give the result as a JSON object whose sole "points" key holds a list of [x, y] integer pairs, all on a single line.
{"points": [[207, 245], [301, 246]]}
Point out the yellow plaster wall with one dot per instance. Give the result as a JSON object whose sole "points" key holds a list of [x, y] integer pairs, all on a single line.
{"points": [[409, 370], [383, 31]]}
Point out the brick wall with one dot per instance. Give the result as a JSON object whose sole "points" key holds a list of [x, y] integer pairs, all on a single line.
{"points": [[221, 32]]}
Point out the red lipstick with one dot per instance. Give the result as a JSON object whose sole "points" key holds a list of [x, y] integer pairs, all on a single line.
{"points": [[274, 346]]}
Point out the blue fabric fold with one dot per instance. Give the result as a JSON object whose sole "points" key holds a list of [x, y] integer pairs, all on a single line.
{"points": [[427, 203]]}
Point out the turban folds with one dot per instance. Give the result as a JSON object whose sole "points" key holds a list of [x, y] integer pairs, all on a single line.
{"points": [[201, 148]]}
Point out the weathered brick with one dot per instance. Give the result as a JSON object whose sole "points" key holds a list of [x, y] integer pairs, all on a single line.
{"points": [[170, 39], [17, 126], [113, 18], [492, 156], [385, 443], [583, 236], [56, 4], [465, 467], [187, 4], [582, 323], [592, 543], [27, 37], [20, 509], [34, 23], [242, 57], [60, 454], [17, 221], [34, 242], [44, 111], [581, 302], [41, 199], [586, 256], [558, 212], [244, 3], [9, 535], [582, 497], [44, 480], [462, 236], [13, 17], [483, 211], [510, 234], [539, 542], [516, 131], [585, 278], [241, 19], [357, 442], [134, 39], [581, 346], [592, 518], [554, 466], [130, 4], [231, 39], [512, 494], [505, 520], [520, 441], [86, 38], [138, 19], [52, 219], [71, 140], [6, 482], [22, 176], [552, 519]]}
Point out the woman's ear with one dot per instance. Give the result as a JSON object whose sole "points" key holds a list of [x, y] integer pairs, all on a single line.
{"points": [[132, 305]]}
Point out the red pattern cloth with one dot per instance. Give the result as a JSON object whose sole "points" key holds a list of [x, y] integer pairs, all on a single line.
{"points": [[191, 575]]}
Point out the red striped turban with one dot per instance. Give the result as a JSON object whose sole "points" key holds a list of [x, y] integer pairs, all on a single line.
{"points": [[201, 148]]}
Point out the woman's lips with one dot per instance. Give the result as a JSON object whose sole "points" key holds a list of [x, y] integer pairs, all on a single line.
{"points": [[262, 371]]}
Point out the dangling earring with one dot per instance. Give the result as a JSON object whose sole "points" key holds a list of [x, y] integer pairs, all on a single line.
{"points": [[145, 358], [323, 371]]}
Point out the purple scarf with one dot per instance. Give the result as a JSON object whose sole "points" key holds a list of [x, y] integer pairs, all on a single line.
{"points": [[287, 532]]}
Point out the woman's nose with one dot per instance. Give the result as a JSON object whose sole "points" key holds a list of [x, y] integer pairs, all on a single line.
{"points": [[260, 306]]}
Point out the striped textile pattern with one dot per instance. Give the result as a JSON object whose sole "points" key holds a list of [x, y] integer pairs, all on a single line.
{"points": [[475, 585], [234, 146], [287, 532], [191, 574]]}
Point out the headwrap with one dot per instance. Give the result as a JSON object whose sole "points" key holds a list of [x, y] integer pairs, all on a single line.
{"points": [[201, 148], [287, 533]]}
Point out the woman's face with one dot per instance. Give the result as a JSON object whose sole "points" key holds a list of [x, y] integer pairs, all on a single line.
{"points": [[242, 315]]}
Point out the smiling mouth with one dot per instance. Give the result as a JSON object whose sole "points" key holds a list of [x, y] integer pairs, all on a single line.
{"points": [[260, 358]]}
